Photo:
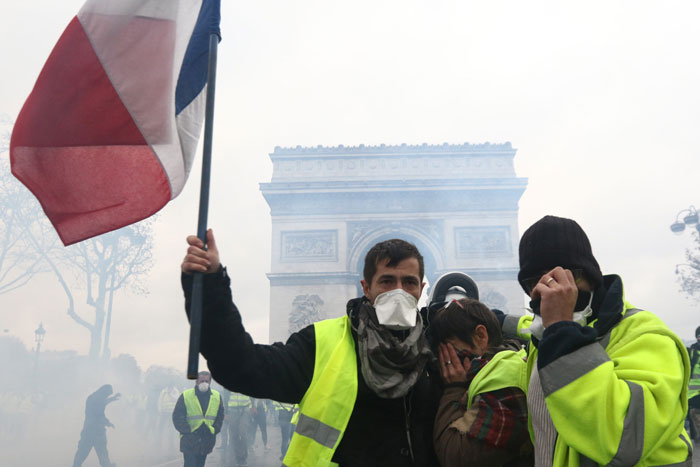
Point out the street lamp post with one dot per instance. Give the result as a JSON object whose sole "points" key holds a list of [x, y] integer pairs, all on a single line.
{"points": [[38, 338], [690, 217], [689, 277]]}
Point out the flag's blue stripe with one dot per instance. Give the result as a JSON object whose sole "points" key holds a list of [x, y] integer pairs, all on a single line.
{"points": [[193, 74]]}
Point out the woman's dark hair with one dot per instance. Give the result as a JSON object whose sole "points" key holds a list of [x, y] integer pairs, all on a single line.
{"points": [[459, 319]]}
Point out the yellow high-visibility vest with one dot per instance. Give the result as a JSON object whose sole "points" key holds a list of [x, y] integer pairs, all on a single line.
{"points": [[282, 406], [166, 401], [325, 409], [694, 384], [650, 433], [195, 416], [506, 369], [237, 400], [295, 415]]}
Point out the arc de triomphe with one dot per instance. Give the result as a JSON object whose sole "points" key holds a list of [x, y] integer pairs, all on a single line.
{"points": [[457, 203]]}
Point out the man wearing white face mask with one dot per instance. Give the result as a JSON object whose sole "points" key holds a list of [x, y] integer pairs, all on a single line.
{"points": [[198, 416], [365, 397], [607, 381]]}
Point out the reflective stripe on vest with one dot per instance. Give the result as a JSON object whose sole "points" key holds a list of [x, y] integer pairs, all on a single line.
{"points": [[283, 407], [238, 400], [506, 369], [325, 409], [195, 416]]}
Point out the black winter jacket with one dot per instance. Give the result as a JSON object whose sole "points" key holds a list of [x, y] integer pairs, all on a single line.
{"points": [[379, 429]]}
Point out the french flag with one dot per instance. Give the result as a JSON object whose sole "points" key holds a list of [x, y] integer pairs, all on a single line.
{"points": [[108, 134]]}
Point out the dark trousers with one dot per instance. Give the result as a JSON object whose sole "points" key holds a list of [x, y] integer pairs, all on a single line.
{"points": [[259, 419], [694, 417], [194, 460], [224, 435], [287, 429], [238, 419], [86, 444]]}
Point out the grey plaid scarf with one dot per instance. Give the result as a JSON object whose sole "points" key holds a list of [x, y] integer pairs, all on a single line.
{"points": [[389, 365]]}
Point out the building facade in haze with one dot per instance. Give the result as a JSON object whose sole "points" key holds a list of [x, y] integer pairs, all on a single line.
{"points": [[457, 203]]}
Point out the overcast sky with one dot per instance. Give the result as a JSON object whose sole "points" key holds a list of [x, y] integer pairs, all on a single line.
{"points": [[600, 98]]}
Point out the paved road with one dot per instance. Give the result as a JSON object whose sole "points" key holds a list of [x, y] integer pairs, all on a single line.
{"points": [[259, 457]]}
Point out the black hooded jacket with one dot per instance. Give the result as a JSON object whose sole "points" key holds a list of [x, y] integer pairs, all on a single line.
{"points": [[379, 429], [95, 419]]}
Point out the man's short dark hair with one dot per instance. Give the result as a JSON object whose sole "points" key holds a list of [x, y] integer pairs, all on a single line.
{"points": [[458, 320], [395, 250]]}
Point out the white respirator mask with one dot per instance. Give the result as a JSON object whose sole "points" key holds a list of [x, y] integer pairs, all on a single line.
{"points": [[396, 309], [203, 387]]}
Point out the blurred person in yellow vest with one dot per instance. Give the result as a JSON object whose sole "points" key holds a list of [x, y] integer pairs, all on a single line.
{"points": [[258, 419], [94, 434], [694, 388], [168, 399], [285, 412], [238, 415], [198, 416], [166, 404]]}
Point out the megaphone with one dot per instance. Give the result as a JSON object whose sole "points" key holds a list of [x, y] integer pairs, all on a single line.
{"points": [[452, 286]]}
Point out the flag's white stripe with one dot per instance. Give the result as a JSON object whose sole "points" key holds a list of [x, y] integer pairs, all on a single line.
{"points": [[189, 125], [104, 22]]}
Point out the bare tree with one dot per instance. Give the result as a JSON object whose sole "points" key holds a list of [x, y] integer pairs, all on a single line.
{"points": [[108, 263], [19, 212], [100, 266], [689, 273]]}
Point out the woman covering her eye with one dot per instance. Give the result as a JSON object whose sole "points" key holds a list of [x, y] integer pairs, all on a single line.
{"points": [[482, 417]]}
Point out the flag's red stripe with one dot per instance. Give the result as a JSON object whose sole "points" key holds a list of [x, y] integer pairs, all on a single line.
{"points": [[84, 190]]}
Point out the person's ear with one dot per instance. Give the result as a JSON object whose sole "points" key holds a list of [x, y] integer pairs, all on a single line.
{"points": [[481, 336], [365, 287]]}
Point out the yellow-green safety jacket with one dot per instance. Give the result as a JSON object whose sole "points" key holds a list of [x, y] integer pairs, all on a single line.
{"points": [[295, 416], [621, 400], [506, 369], [325, 409], [195, 416], [694, 384]]}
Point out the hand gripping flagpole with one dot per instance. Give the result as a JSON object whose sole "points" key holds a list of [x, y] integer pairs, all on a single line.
{"points": [[197, 282]]}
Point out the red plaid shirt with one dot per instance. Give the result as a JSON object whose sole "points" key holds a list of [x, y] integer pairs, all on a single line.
{"points": [[501, 415]]}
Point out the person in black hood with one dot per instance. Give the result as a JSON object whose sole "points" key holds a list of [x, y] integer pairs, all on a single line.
{"points": [[94, 434], [607, 381], [366, 398]]}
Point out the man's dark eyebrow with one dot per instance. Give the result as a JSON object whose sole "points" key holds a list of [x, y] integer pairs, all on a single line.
{"points": [[389, 276]]}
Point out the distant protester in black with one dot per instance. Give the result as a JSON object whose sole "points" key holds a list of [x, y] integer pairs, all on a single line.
{"points": [[94, 434]]}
